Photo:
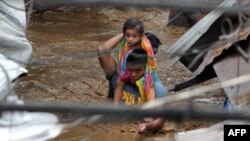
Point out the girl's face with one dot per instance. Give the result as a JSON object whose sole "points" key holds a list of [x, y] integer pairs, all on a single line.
{"points": [[132, 36]]}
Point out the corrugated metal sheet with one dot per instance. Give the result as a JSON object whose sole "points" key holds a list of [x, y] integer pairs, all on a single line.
{"points": [[193, 35], [218, 47]]}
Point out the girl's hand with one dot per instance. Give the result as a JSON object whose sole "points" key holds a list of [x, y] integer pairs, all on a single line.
{"points": [[118, 92]]}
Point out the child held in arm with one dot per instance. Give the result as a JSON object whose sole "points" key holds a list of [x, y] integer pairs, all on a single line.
{"points": [[134, 37]]}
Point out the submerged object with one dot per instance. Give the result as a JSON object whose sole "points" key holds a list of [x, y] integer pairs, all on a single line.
{"points": [[220, 48], [15, 54]]}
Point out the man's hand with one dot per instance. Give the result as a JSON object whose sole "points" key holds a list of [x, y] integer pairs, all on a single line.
{"points": [[154, 125], [142, 128]]}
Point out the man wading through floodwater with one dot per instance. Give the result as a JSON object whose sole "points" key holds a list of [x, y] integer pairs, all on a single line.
{"points": [[136, 61]]}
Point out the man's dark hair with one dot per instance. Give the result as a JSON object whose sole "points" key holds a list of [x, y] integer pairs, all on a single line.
{"points": [[138, 57], [134, 23], [155, 41]]}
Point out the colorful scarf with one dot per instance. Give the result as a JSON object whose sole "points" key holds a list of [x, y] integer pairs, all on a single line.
{"points": [[124, 51], [141, 83]]}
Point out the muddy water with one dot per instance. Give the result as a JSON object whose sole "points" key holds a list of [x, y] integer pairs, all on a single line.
{"points": [[65, 66]]}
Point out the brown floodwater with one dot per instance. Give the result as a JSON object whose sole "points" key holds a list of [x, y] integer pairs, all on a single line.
{"points": [[65, 67]]}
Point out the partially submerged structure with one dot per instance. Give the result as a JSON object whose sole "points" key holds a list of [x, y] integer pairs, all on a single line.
{"points": [[217, 45]]}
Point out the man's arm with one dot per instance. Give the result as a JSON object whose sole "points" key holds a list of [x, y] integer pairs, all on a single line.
{"points": [[107, 62], [152, 124], [118, 91]]}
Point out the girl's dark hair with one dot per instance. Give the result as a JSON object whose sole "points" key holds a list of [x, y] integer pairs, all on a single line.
{"points": [[137, 57], [134, 23], [155, 41]]}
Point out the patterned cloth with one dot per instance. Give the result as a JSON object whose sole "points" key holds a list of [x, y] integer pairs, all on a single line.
{"points": [[149, 75]]}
